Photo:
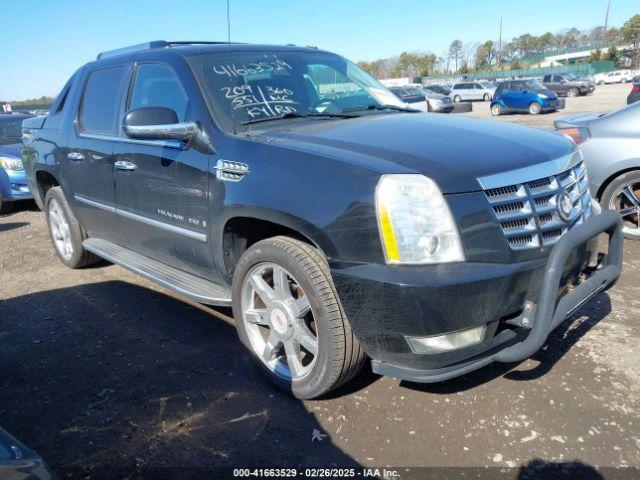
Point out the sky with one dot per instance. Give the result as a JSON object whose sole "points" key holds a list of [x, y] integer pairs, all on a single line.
{"points": [[45, 41]]}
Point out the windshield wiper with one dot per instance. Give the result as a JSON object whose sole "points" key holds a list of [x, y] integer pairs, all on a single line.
{"points": [[381, 107], [297, 115]]}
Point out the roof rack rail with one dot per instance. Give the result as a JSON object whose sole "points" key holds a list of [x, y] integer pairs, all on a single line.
{"points": [[134, 48], [151, 45]]}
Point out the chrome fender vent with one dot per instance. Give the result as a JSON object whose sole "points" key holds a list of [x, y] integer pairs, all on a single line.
{"points": [[229, 171]]}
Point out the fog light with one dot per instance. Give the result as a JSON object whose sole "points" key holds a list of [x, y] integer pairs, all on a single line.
{"points": [[446, 342]]}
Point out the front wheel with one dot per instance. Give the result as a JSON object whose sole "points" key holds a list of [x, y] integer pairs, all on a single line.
{"points": [[496, 109], [486, 97], [572, 92], [535, 108], [288, 315], [457, 99], [623, 195]]}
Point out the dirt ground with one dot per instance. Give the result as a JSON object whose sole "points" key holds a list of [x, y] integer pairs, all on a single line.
{"points": [[107, 375]]}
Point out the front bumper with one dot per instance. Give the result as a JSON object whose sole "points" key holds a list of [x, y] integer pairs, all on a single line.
{"points": [[518, 303], [552, 105], [13, 185]]}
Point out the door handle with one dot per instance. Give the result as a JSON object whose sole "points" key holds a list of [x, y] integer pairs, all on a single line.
{"points": [[124, 166], [75, 156]]}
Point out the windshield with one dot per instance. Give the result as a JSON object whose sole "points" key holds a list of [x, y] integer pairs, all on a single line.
{"points": [[570, 76], [533, 85], [248, 86], [487, 84], [10, 130]]}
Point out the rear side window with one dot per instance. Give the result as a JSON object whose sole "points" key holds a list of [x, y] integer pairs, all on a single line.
{"points": [[547, 78], [156, 85], [100, 100]]}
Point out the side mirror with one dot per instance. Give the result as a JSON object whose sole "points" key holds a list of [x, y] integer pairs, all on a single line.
{"points": [[161, 123], [156, 123]]}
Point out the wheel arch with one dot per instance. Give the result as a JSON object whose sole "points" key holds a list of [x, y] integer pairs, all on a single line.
{"points": [[44, 180], [244, 226], [611, 177]]}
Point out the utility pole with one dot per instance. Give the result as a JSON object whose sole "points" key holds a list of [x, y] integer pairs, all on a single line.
{"points": [[500, 42], [606, 20]]}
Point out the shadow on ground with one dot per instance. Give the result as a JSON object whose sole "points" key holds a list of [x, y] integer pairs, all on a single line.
{"points": [[113, 380], [5, 227]]}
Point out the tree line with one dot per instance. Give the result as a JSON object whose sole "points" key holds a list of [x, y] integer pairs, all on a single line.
{"points": [[488, 55]]}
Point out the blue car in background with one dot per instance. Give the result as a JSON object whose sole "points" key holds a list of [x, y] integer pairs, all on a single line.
{"points": [[13, 185], [524, 96]]}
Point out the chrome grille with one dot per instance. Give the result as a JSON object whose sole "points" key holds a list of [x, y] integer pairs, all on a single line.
{"points": [[528, 212]]}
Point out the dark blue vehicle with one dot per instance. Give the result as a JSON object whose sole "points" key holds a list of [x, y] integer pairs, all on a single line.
{"points": [[340, 226], [524, 96], [13, 185]]}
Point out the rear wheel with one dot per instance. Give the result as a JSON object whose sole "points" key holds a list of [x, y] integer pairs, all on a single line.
{"points": [[65, 231], [535, 108], [289, 317], [496, 109], [572, 92], [623, 195]]}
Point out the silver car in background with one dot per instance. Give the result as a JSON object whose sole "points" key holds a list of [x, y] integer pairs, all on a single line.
{"points": [[437, 102], [466, 91], [610, 144]]}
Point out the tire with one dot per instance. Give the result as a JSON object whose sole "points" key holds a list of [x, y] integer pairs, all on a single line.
{"points": [[65, 231], [5, 207], [572, 92], [496, 109], [535, 108], [486, 97], [457, 99], [339, 356], [612, 194]]}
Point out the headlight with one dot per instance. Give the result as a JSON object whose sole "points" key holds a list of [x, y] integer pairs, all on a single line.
{"points": [[543, 95], [11, 163], [416, 226]]}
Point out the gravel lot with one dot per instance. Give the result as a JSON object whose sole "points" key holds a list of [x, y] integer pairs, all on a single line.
{"points": [[107, 375]]}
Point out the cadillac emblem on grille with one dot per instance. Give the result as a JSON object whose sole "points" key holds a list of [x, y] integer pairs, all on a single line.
{"points": [[565, 206]]}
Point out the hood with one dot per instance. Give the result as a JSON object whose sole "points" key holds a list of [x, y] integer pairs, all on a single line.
{"points": [[451, 150], [549, 93], [576, 119], [12, 150]]}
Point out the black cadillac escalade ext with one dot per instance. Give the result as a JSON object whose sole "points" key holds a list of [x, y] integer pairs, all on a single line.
{"points": [[339, 224]]}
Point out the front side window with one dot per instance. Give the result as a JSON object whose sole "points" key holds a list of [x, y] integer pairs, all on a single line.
{"points": [[100, 100], [243, 87], [156, 85]]}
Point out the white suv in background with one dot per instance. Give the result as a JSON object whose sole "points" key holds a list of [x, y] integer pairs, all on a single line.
{"points": [[465, 91], [617, 76]]}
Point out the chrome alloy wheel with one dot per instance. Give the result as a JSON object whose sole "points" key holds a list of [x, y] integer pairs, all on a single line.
{"points": [[626, 200], [279, 322], [60, 231]]}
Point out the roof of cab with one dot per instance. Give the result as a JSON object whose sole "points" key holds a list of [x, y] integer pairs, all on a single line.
{"points": [[189, 48]]}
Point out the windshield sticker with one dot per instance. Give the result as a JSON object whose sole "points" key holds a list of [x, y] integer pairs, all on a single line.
{"points": [[257, 101]]}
